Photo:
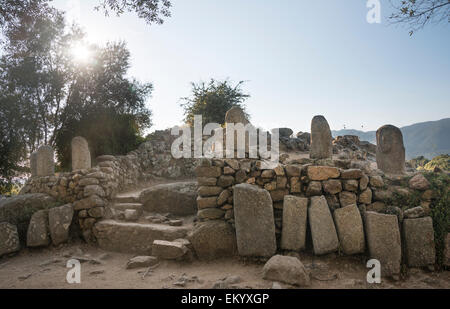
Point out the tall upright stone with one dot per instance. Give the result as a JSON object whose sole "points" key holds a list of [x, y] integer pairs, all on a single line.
{"points": [[419, 242], [45, 161], [293, 235], [390, 150], [236, 116], [323, 231], [81, 156], [321, 140], [254, 220], [33, 163]]}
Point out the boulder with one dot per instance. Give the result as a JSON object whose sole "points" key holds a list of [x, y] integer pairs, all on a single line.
{"points": [[236, 115], [285, 132], [293, 235], [418, 235], [419, 182], [59, 221], [254, 220], [415, 212], [168, 250], [176, 198], [365, 197], [321, 140], [323, 231], [390, 150], [332, 186], [351, 174], [376, 181], [383, 241], [38, 234], [213, 239], [350, 229], [286, 269], [9, 239], [322, 172]]}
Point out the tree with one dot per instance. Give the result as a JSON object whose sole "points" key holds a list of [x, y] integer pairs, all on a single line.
{"points": [[416, 14], [212, 100]]}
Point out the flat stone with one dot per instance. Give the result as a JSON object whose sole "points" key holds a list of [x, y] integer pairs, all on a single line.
{"points": [[413, 213], [351, 185], [351, 174], [347, 198], [322, 172], [254, 220], [206, 202], [314, 188], [286, 269], [332, 186], [59, 221], [295, 211], [419, 242], [350, 229], [205, 171], [142, 261], [168, 250], [38, 234], [321, 222], [210, 213]]}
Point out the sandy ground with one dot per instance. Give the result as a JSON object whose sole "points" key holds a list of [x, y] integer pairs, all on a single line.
{"points": [[46, 268]]}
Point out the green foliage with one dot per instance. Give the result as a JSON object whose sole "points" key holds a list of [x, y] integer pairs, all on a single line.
{"points": [[442, 162], [212, 100], [419, 162]]}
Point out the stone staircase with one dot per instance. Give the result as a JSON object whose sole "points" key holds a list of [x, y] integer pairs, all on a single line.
{"points": [[129, 228]]}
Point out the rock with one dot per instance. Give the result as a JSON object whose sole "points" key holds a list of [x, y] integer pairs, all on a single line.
{"points": [[418, 235], [38, 234], [207, 191], [254, 220], [347, 198], [81, 156], [225, 181], [236, 115], [276, 286], [376, 181], [365, 197], [390, 150], [293, 170], [383, 241], [351, 174], [210, 214], [142, 261], [323, 231], [206, 202], [89, 202], [105, 158], [94, 190], [413, 213], [363, 182], [314, 188], [322, 172], [179, 198], [285, 132], [419, 182], [332, 186], [278, 195], [350, 229], [213, 239], [377, 207], [321, 140], [223, 197], [208, 171], [286, 269], [382, 195], [206, 181], [45, 162], [18, 210], [351, 185], [59, 220], [295, 210], [175, 222], [131, 215], [9, 239], [168, 250]]}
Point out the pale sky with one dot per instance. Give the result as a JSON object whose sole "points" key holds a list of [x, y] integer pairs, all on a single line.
{"points": [[298, 58]]}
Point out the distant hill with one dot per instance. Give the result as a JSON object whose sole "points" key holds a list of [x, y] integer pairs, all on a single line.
{"points": [[427, 139]]}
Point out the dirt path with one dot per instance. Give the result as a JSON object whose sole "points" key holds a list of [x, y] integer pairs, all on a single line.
{"points": [[46, 268]]}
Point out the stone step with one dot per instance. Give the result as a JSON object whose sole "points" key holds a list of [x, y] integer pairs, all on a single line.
{"points": [[125, 206], [126, 199], [135, 238]]}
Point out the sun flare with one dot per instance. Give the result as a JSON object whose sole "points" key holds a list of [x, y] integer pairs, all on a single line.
{"points": [[81, 52]]}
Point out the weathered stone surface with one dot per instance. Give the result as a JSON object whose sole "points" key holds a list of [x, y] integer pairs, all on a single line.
{"points": [[33, 164], [322, 172], [223, 197], [332, 186], [376, 181], [88, 181], [236, 115], [141, 262], [390, 150], [295, 184], [419, 242], [18, 210], [225, 181], [81, 156], [365, 197], [89, 202], [168, 250], [206, 202], [134, 237], [207, 181], [381, 195], [383, 241], [210, 214], [45, 162], [293, 170], [321, 140], [363, 182], [59, 221], [351, 185], [351, 174], [9, 238], [254, 220], [286, 269], [419, 182], [278, 195], [350, 229], [38, 234], [321, 222], [314, 188], [285, 132], [177, 198], [347, 198], [413, 213], [94, 190], [295, 211], [213, 239], [208, 171], [105, 158]]}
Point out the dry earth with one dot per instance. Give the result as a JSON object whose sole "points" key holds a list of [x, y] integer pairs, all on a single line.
{"points": [[46, 268]]}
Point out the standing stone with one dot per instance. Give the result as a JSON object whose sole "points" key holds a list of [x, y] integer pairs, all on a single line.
{"points": [[236, 115], [321, 222], [9, 238], [33, 163], [321, 146], [59, 220], [45, 162], [350, 229], [81, 156], [254, 220], [38, 234], [390, 150], [295, 210], [384, 242], [419, 242]]}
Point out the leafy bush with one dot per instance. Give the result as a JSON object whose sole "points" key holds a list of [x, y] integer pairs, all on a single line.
{"points": [[442, 162]]}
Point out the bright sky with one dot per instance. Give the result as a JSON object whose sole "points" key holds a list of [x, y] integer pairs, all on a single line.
{"points": [[299, 58]]}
